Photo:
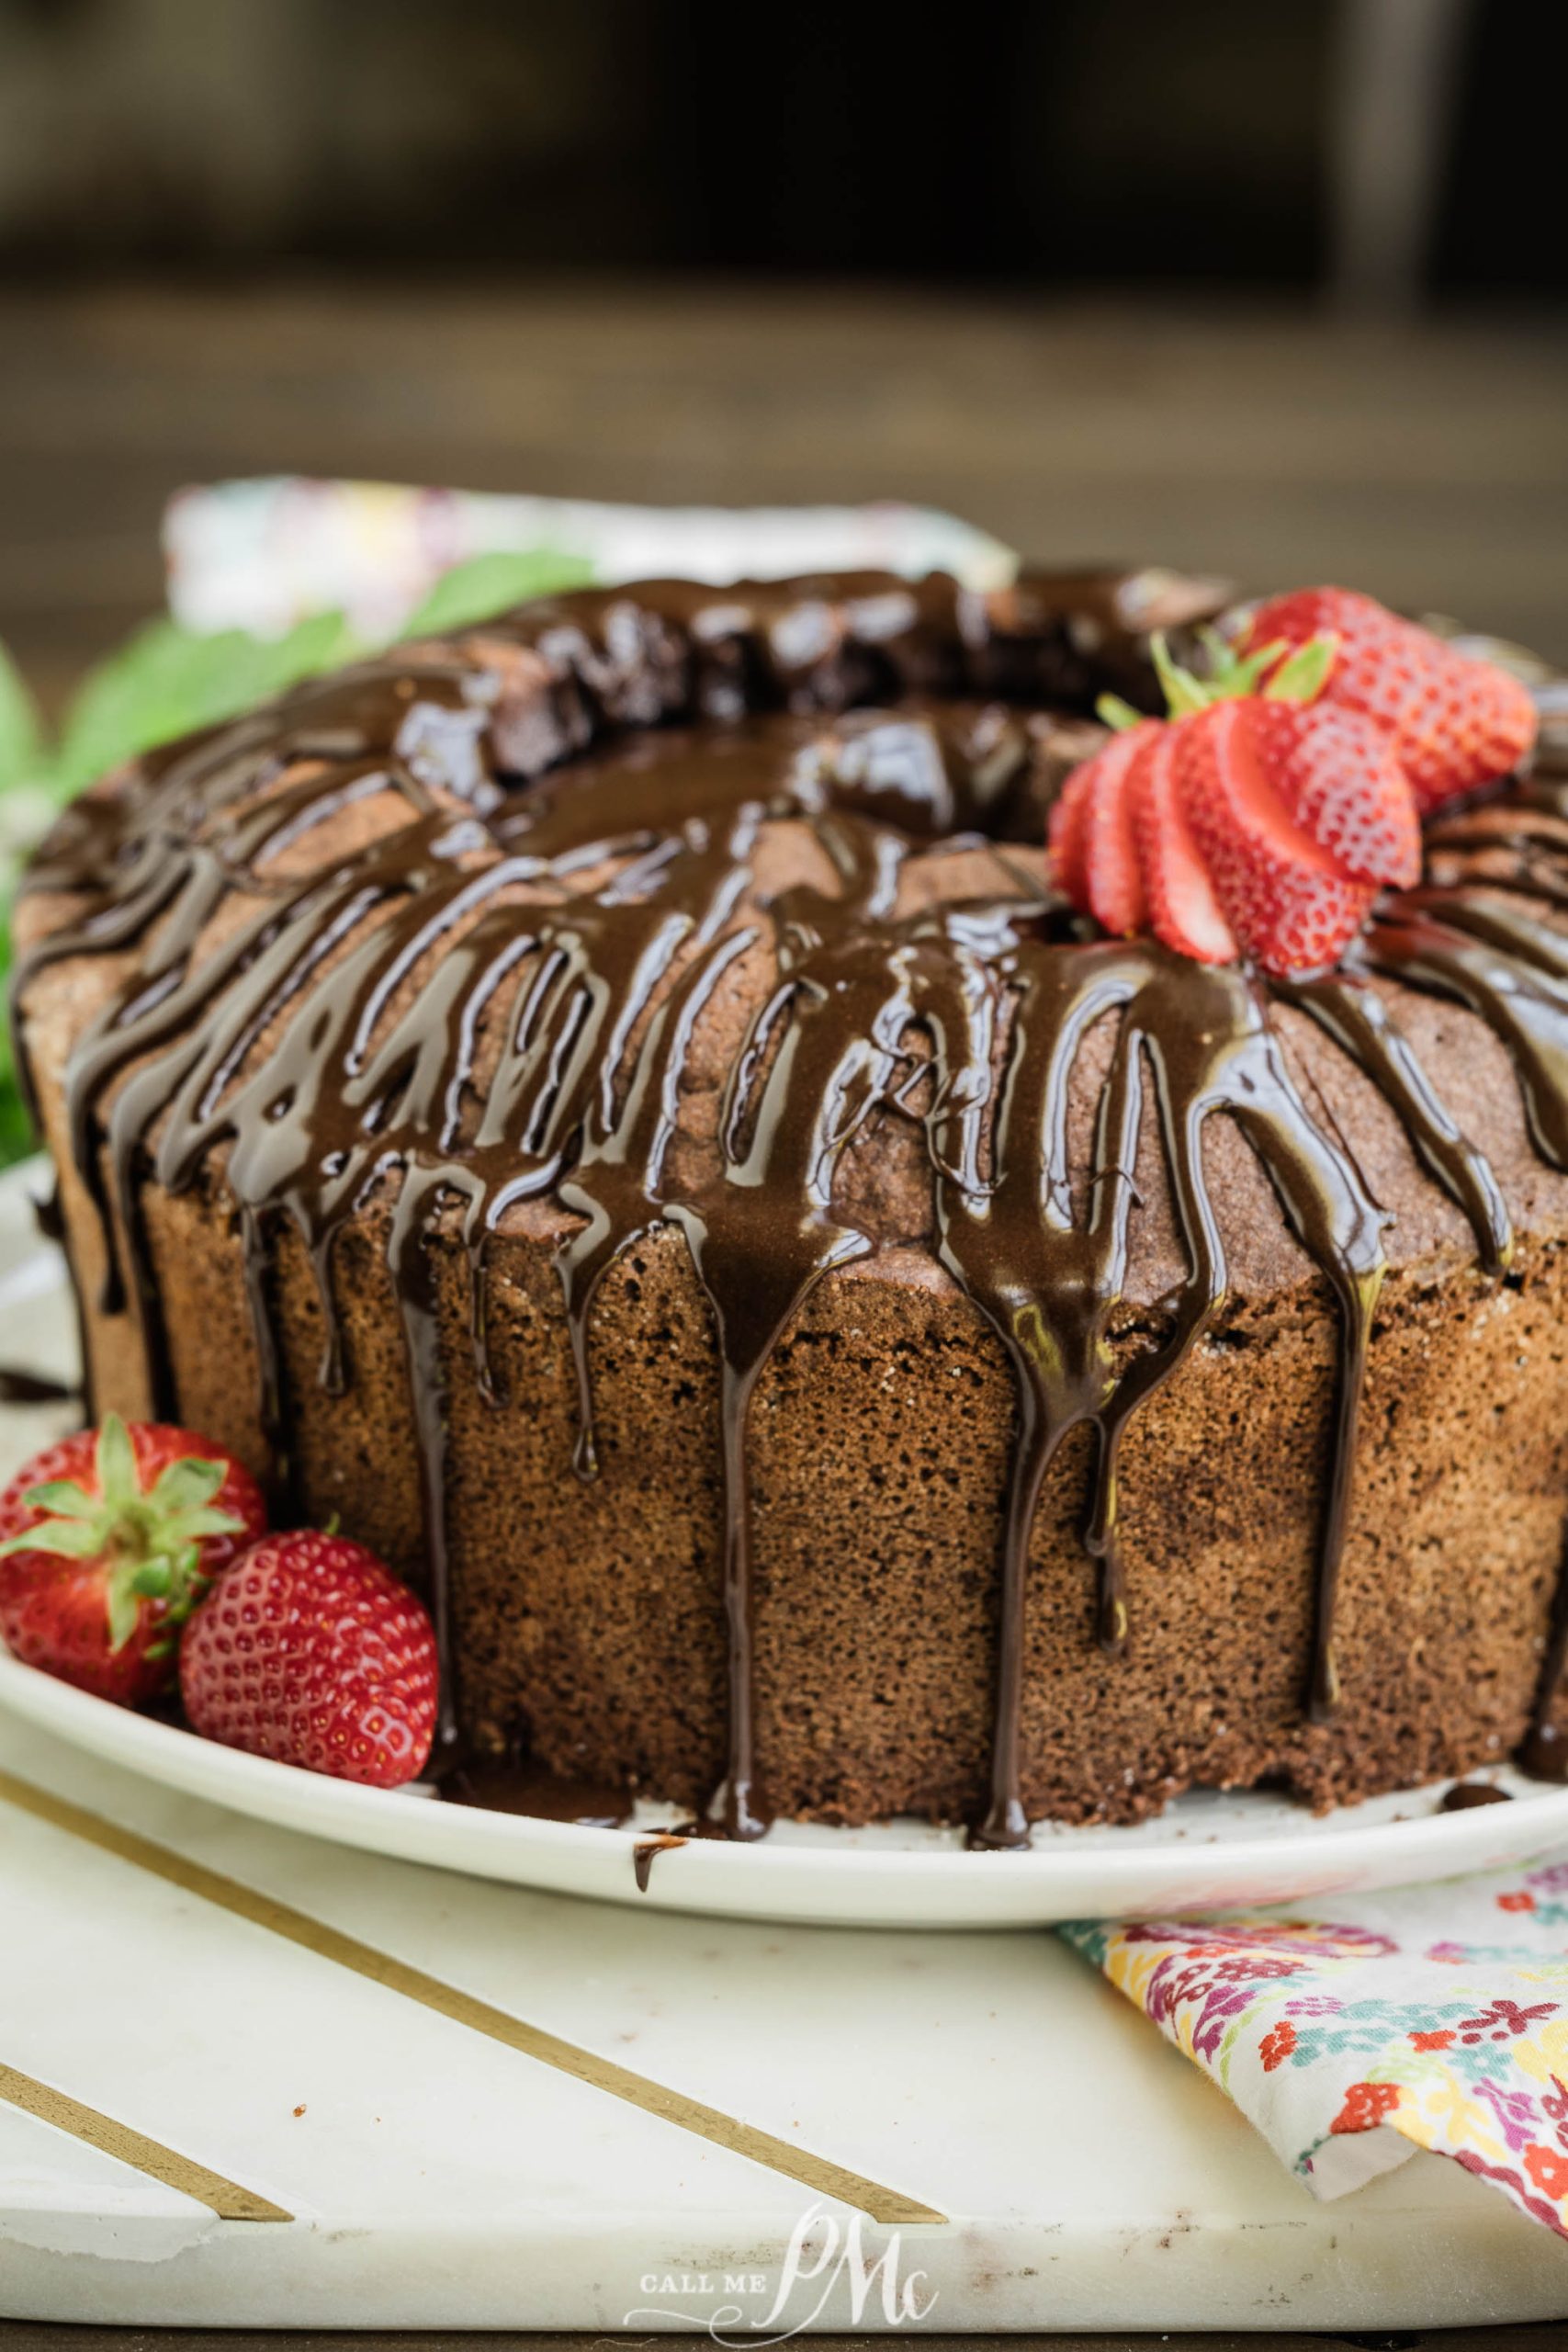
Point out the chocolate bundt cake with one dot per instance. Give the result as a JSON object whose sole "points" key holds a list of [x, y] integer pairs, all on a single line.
{"points": [[610, 1106]]}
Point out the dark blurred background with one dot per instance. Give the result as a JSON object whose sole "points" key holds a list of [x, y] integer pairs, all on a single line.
{"points": [[1209, 143], [1276, 289]]}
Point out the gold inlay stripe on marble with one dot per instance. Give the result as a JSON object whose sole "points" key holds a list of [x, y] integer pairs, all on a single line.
{"points": [[816, 2173], [225, 2197]]}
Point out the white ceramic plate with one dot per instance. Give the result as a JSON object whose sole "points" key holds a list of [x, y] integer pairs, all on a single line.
{"points": [[1206, 1852]]}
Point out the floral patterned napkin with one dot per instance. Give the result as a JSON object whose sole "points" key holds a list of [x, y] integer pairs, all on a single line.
{"points": [[1431, 2017], [263, 554]]}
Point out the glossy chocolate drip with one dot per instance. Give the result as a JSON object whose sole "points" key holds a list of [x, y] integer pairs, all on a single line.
{"points": [[646, 1852], [498, 998]]}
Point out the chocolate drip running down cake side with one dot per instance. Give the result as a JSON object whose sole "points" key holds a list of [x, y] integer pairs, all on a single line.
{"points": [[610, 1106]]}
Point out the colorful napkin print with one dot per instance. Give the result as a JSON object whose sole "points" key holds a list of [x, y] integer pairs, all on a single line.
{"points": [[266, 554], [1432, 2017]]}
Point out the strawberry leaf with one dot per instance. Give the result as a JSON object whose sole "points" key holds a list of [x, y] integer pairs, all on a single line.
{"points": [[1115, 713], [147, 1544], [124, 1604], [64, 1500], [1183, 692], [191, 1523], [1305, 675], [1232, 674], [115, 1462], [74, 1538], [187, 1483]]}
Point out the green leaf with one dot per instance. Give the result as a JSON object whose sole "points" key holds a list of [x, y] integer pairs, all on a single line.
{"points": [[15, 1128], [1183, 693], [74, 1538], [487, 585], [153, 1579], [65, 1499], [166, 680], [1305, 675], [187, 1485], [22, 738], [124, 1608], [1231, 674], [1114, 712], [1252, 666], [192, 1523], [187, 1585], [115, 1462]]}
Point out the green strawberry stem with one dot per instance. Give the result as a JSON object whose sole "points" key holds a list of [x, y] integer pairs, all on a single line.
{"points": [[150, 1542], [1117, 714], [1301, 677], [1183, 693]]}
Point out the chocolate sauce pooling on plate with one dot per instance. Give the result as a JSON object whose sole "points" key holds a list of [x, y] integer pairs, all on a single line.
{"points": [[511, 1784], [584, 784], [1466, 1794]]}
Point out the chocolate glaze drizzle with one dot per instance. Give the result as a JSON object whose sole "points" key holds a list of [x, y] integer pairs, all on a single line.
{"points": [[496, 998], [646, 1852]]}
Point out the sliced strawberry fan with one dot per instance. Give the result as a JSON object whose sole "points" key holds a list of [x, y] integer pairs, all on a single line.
{"points": [[1260, 820]]}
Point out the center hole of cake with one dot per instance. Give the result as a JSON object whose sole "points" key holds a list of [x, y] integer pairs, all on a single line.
{"points": [[928, 770]]}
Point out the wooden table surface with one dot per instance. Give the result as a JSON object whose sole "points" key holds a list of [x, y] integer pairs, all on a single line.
{"points": [[1429, 464]]}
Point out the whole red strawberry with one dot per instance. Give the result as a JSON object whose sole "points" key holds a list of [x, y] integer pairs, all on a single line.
{"points": [[110, 1539], [1454, 723], [309, 1651]]}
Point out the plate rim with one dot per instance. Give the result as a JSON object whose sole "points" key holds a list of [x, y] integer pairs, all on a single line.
{"points": [[852, 1885], [1343, 1856]]}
